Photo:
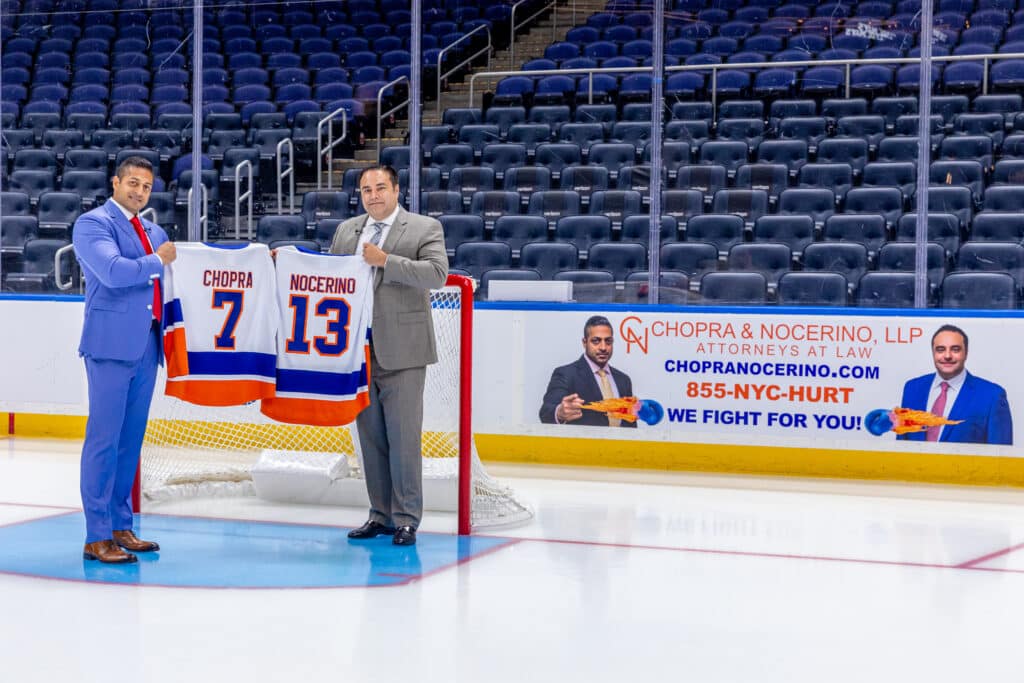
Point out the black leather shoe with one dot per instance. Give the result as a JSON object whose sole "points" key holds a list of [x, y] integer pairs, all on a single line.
{"points": [[404, 535], [371, 530]]}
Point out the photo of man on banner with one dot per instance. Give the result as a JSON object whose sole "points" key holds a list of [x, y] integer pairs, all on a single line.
{"points": [[587, 380], [975, 410]]}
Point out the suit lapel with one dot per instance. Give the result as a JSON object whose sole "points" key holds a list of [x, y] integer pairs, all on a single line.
{"points": [[129, 238], [588, 380], [959, 409], [395, 232]]}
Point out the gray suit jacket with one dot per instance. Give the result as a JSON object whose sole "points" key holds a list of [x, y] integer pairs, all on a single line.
{"points": [[403, 330]]}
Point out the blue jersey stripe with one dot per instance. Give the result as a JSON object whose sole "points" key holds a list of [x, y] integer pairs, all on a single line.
{"points": [[323, 383], [231, 363], [172, 313]]}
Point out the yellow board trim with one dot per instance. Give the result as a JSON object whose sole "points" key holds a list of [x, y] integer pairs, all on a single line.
{"points": [[49, 426], [974, 470], [738, 459]]}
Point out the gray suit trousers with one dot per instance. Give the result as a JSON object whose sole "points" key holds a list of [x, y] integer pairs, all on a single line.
{"points": [[389, 435]]}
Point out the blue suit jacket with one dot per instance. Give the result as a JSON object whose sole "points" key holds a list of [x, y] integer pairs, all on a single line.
{"points": [[118, 283], [981, 404]]}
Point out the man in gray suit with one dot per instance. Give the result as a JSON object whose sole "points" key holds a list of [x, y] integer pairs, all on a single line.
{"points": [[408, 255]]}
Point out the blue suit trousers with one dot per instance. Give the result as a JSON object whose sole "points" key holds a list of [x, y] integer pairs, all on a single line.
{"points": [[119, 397]]}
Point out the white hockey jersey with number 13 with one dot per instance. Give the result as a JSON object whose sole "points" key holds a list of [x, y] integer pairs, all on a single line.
{"points": [[325, 304], [220, 324]]}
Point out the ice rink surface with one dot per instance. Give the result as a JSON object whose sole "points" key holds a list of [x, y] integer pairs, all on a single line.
{"points": [[621, 576]]}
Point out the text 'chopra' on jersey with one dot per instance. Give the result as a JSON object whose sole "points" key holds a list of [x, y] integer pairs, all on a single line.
{"points": [[325, 306], [220, 324]]}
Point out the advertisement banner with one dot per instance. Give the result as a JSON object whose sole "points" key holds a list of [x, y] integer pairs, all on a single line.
{"points": [[862, 382]]}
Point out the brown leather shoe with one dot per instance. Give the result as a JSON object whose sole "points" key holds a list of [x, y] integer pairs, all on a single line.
{"points": [[107, 551], [129, 541]]}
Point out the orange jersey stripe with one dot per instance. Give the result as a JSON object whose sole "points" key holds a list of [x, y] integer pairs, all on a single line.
{"points": [[219, 393], [314, 412]]}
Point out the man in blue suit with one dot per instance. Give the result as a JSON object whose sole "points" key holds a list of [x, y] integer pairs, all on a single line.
{"points": [[978, 405], [122, 257]]}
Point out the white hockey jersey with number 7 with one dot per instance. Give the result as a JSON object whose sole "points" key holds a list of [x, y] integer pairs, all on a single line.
{"points": [[325, 305], [220, 324]]}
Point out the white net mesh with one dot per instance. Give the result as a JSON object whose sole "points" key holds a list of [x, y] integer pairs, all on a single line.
{"points": [[194, 450]]}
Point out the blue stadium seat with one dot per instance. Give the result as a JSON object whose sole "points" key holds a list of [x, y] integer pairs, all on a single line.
{"points": [[793, 154], [616, 204], [459, 228], [810, 130], [479, 257], [517, 231], [834, 109], [619, 259], [1007, 257], [989, 226], [886, 290], [468, 180], [818, 203], [979, 290], [821, 82], [768, 259], [605, 114], [529, 135], [885, 201], [526, 180], [747, 204], [673, 288], [852, 151], [707, 179], [770, 178], [612, 156], [589, 286], [583, 231], [867, 229], [448, 156], [502, 156], [836, 177], [584, 180], [849, 259], [438, 202], [722, 231], [730, 155], [968, 148], [902, 256], [17, 232], [493, 204], [557, 155], [694, 259], [505, 117], [37, 273], [638, 229], [899, 174], [796, 232], [275, 228], [504, 274], [549, 258], [812, 289], [733, 288]]}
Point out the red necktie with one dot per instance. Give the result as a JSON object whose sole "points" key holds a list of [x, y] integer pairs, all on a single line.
{"points": [[938, 408], [158, 298]]}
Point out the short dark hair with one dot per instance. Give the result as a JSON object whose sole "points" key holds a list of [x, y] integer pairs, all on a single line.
{"points": [[950, 328], [596, 321], [134, 162], [391, 172]]}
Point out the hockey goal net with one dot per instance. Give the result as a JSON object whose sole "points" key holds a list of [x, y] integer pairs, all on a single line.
{"points": [[192, 450]]}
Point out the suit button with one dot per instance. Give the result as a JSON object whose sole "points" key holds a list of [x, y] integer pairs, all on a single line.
{"points": [[149, 307]]}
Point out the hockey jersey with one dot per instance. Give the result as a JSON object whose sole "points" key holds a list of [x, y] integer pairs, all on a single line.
{"points": [[220, 324], [325, 305]]}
